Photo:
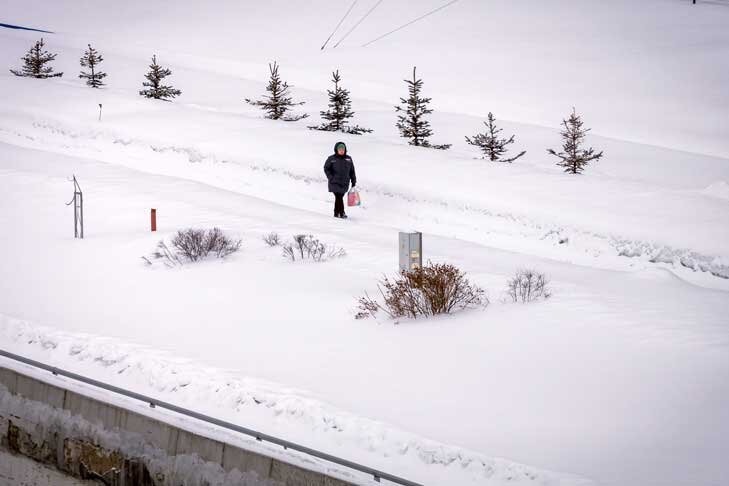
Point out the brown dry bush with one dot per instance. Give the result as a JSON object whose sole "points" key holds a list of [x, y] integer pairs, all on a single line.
{"points": [[427, 291]]}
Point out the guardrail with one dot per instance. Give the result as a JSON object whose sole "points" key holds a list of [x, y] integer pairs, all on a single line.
{"points": [[154, 403]]}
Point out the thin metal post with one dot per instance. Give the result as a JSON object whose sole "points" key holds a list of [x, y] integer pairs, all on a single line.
{"points": [[81, 210], [75, 217]]}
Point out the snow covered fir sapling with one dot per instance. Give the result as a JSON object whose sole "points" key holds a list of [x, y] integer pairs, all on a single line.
{"points": [[339, 112], [573, 158], [154, 87], [91, 60], [278, 102], [36, 63], [411, 122], [491, 145]]}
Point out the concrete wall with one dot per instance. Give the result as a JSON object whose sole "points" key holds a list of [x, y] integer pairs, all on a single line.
{"points": [[91, 440], [16, 470]]}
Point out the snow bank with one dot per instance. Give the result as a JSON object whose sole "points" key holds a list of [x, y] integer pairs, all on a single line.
{"points": [[253, 403]]}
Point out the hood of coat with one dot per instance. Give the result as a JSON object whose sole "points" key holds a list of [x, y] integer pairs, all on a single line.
{"points": [[337, 145]]}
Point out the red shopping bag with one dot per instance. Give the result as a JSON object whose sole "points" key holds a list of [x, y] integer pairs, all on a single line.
{"points": [[353, 198]]}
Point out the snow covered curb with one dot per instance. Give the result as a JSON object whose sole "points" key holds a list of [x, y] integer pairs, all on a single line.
{"points": [[245, 399]]}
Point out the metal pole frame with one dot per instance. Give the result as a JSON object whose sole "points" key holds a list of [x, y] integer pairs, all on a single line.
{"points": [[78, 209]]}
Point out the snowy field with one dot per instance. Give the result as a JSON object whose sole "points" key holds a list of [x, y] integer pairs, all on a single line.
{"points": [[620, 379]]}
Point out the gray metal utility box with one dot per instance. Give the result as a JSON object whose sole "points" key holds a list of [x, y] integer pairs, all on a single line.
{"points": [[411, 251]]}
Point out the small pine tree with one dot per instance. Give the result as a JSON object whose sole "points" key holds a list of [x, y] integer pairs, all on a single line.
{"points": [[492, 146], [278, 102], [340, 109], [154, 84], [412, 123], [34, 63], [574, 159], [91, 60]]}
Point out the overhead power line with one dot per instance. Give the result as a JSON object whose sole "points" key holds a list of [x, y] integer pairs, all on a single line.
{"points": [[411, 22], [358, 22], [340, 23]]}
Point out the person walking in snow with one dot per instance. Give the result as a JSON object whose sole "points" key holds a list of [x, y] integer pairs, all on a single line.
{"points": [[339, 169]]}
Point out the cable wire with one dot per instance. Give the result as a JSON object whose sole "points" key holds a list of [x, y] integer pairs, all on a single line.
{"points": [[411, 22], [358, 22], [340, 23]]}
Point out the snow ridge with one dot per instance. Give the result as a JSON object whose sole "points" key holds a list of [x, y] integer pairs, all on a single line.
{"points": [[213, 391]]}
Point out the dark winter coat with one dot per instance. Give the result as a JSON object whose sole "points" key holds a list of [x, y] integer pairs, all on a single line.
{"points": [[339, 170]]}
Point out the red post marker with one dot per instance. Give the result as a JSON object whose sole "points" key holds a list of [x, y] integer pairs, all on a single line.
{"points": [[154, 219]]}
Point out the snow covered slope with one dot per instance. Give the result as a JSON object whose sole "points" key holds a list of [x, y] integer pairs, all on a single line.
{"points": [[622, 377], [652, 71]]}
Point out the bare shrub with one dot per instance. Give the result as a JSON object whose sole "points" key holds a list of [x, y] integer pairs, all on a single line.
{"points": [[334, 252], [193, 245], [367, 307], [272, 239], [307, 247], [196, 244], [527, 285], [288, 252], [165, 255], [427, 291]]}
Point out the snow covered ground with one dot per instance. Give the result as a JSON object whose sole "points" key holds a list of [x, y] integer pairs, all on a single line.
{"points": [[622, 377]]}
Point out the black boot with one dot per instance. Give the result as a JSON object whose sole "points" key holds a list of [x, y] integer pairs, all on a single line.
{"points": [[338, 205]]}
